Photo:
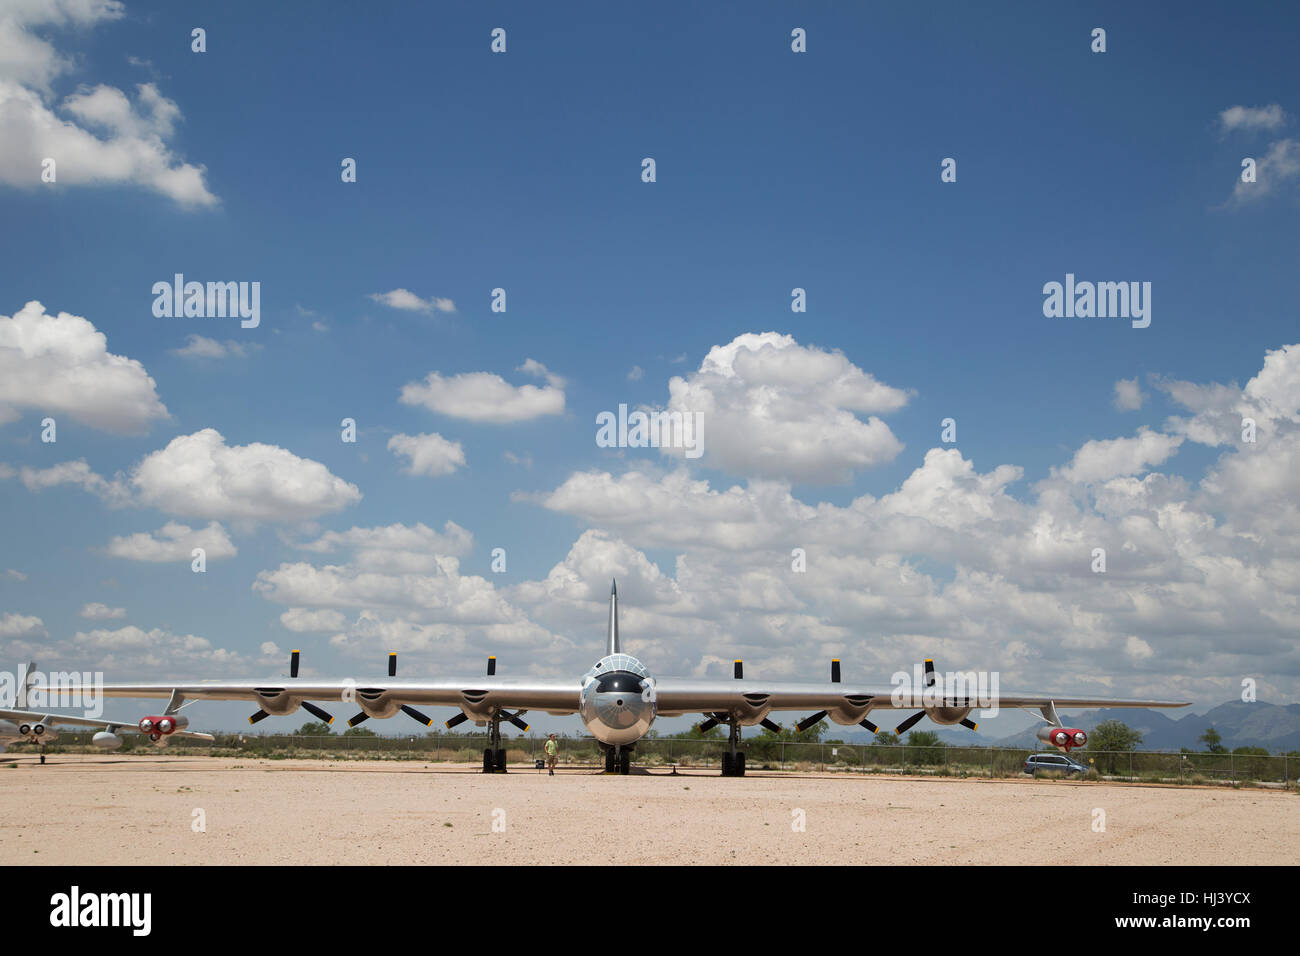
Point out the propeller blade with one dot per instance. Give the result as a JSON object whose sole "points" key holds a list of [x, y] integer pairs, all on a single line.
{"points": [[771, 725], [492, 666], [970, 724], [359, 718], [868, 724], [260, 715], [929, 672], [907, 725], [514, 719], [293, 663], [458, 719], [809, 721], [835, 670], [707, 725], [392, 664], [740, 670], [412, 712], [317, 712]]}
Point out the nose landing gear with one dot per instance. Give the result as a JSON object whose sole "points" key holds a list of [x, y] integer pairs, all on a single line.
{"points": [[618, 760]]}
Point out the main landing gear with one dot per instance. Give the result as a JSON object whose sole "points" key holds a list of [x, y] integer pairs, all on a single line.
{"points": [[618, 760], [494, 756], [733, 760]]}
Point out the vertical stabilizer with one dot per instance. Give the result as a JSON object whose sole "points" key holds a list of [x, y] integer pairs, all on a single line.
{"points": [[20, 693], [612, 645]]}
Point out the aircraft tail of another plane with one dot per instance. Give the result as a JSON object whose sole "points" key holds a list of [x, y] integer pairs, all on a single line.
{"points": [[20, 694]]}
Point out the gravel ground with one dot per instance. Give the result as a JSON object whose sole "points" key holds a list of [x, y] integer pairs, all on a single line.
{"points": [[118, 809]]}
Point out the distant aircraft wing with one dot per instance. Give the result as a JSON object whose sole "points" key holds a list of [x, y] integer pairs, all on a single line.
{"points": [[112, 726]]}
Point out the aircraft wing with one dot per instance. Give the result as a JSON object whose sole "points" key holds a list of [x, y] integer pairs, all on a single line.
{"points": [[112, 726], [676, 697]]}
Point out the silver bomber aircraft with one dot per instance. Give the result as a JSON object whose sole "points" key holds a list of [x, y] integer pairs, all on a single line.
{"points": [[618, 699], [38, 726]]}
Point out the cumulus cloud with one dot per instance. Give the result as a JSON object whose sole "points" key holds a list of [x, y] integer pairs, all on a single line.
{"points": [[483, 397], [1252, 118], [775, 409], [1110, 458], [200, 476], [1128, 395], [1279, 166], [173, 542], [430, 454], [202, 347], [155, 653], [410, 302], [60, 365], [95, 611], [79, 474], [98, 135], [300, 620], [396, 547], [538, 370], [21, 626]]}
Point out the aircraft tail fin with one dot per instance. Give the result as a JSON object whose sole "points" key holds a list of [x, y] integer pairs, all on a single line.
{"points": [[612, 645], [20, 695]]}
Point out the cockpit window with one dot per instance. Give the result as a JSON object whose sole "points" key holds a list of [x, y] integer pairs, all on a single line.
{"points": [[620, 681]]}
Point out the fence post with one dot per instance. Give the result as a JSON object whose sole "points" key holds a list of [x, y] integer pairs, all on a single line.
{"points": [[990, 763], [1130, 765], [1232, 768]]}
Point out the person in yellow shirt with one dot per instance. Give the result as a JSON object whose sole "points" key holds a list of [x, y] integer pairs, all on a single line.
{"points": [[552, 749]]}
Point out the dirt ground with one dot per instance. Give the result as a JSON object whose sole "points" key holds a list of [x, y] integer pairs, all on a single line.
{"points": [[147, 810]]}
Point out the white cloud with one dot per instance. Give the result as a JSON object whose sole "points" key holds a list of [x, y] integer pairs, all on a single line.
{"points": [[1128, 395], [202, 347], [300, 620], [200, 476], [396, 547], [75, 473], [775, 409], [15, 575], [1110, 458], [410, 302], [173, 542], [636, 373], [1252, 117], [95, 611], [1279, 165], [157, 652], [430, 454], [97, 135], [483, 397], [60, 365], [538, 370], [21, 626]]}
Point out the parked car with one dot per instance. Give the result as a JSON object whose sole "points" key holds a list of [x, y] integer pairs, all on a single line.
{"points": [[1056, 763]]}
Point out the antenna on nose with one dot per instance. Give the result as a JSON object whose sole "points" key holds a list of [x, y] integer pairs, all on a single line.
{"points": [[612, 644]]}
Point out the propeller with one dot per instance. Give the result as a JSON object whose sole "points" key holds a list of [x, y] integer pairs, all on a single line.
{"points": [[910, 722], [362, 716], [307, 705], [814, 719]]}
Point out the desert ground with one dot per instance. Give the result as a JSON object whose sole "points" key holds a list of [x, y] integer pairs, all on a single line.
{"points": [[114, 809]]}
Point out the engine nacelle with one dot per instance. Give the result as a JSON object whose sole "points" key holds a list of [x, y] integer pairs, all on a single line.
{"points": [[106, 741], [162, 726], [948, 715], [375, 702], [276, 701], [1063, 738], [850, 711]]}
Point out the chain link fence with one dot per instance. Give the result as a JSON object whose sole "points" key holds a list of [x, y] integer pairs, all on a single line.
{"points": [[706, 753]]}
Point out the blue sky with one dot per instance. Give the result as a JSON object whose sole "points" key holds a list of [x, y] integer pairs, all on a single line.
{"points": [[775, 170]]}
